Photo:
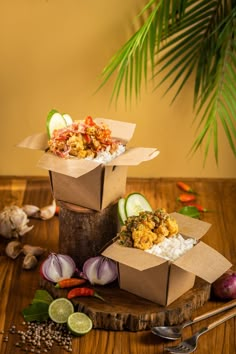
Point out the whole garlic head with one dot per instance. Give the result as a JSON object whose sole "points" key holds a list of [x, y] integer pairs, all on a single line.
{"points": [[13, 222]]}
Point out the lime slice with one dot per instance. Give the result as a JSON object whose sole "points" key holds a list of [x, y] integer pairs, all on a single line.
{"points": [[54, 121], [135, 203], [67, 118], [79, 323], [121, 210], [60, 309]]}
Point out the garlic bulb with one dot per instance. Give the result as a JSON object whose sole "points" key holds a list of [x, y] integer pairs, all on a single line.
{"points": [[13, 222]]}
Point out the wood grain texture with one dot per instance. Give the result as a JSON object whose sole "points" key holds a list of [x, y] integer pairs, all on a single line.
{"points": [[17, 287], [84, 232]]}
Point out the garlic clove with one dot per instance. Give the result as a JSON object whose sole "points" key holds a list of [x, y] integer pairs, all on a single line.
{"points": [[33, 250], [13, 249], [31, 210], [48, 211], [29, 262]]}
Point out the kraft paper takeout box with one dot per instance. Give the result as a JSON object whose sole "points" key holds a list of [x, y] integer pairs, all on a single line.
{"points": [[85, 182], [162, 281]]}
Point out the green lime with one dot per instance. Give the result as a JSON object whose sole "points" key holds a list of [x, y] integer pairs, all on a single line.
{"points": [[60, 309], [79, 323]]}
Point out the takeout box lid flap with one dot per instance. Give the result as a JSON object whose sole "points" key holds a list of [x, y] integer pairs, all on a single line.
{"points": [[38, 141], [134, 156], [74, 167], [119, 130], [69, 167], [191, 227], [204, 261], [132, 257]]}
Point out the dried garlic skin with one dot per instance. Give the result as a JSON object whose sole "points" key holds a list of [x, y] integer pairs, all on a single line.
{"points": [[13, 249], [13, 222]]}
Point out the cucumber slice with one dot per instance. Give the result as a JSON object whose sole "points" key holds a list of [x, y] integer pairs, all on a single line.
{"points": [[135, 203], [54, 121], [67, 118], [121, 210]]}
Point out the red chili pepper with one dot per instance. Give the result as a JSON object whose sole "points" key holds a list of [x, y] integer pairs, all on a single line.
{"points": [[76, 292], [199, 207], [185, 197], [185, 187], [87, 138], [69, 283], [89, 121], [57, 210]]}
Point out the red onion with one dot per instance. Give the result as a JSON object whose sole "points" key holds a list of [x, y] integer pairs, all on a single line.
{"points": [[57, 267], [100, 270], [225, 286]]}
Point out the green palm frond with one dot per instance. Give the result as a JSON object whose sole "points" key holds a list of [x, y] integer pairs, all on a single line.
{"points": [[180, 38]]}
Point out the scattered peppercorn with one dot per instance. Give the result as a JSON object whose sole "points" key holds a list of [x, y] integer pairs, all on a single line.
{"points": [[40, 337]]}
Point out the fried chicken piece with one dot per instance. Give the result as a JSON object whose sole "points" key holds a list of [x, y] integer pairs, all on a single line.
{"points": [[147, 228], [172, 226], [161, 232], [143, 237]]}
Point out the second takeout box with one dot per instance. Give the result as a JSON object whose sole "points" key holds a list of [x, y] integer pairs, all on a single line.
{"points": [[88, 183], [162, 281]]}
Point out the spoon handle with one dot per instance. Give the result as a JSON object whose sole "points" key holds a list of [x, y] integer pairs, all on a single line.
{"points": [[219, 309], [226, 316]]}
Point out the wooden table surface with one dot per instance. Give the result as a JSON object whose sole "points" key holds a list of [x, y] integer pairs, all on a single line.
{"points": [[18, 286]]}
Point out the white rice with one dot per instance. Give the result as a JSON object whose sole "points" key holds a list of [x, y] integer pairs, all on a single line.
{"points": [[172, 247], [105, 156]]}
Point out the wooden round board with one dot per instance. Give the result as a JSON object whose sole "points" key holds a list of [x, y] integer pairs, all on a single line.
{"points": [[122, 310]]}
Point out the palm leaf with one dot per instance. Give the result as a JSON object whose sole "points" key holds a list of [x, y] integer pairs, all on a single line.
{"points": [[181, 38]]}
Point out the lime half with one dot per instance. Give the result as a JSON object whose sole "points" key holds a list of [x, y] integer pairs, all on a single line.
{"points": [[60, 309], [79, 323]]}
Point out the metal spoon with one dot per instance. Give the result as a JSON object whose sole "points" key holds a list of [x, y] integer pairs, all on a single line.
{"points": [[175, 332]]}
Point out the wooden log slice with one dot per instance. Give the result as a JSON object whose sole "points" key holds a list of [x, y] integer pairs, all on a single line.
{"points": [[83, 232], [124, 311]]}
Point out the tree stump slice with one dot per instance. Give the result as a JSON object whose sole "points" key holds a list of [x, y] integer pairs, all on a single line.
{"points": [[83, 232], [123, 311]]}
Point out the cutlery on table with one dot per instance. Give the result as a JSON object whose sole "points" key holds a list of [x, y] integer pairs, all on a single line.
{"points": [[175, 332], [189, 345]]}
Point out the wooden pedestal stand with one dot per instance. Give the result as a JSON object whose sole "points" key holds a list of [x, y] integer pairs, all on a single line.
{"points": [[83, 233]]}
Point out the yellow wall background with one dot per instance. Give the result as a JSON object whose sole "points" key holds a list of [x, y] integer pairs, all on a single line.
{"points": [[52, 53]]}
